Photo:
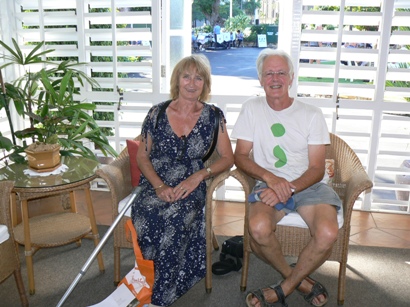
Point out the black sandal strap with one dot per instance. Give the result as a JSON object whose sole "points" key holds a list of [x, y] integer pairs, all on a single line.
{"points": [[317, 289], [279, 293]]}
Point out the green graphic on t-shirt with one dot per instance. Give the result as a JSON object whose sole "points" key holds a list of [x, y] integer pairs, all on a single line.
{"points": [[278, 130], [280, 154]]}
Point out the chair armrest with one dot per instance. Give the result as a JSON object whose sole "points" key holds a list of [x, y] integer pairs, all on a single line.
{"points": [[358, 183], [214, 183], [117, 175], [246, 181]]}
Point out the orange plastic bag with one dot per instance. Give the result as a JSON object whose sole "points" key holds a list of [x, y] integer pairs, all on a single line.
{"points": [[140, 279]]}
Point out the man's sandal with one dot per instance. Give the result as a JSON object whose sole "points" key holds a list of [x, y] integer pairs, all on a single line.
{"points": [[317, 289], [261, 298]]}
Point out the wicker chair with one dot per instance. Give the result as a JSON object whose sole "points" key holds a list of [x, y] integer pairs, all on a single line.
{"points": [[117, 175], [349, 181], [9, 257]]}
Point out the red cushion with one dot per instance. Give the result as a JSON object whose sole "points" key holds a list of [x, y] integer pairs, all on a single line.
{"points": [[132, 152]]}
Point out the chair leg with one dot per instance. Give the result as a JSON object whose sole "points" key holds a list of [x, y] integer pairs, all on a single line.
{"points": [[210, 237], [208, 276], [215, 241], [208, 281], [245, 267], [117, 266], [20, 287], [342, 284]]}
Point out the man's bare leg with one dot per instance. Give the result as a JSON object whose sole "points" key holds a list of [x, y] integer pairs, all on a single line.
{"points": [[266, 246], [262, 226]]}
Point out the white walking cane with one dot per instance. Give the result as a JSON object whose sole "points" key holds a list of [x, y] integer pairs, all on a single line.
{"points": [[87, 264]]}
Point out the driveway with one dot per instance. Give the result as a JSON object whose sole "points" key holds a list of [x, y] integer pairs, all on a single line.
{"points": [[234, 71]]}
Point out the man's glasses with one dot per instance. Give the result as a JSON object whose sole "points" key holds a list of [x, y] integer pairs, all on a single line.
{"points": [[270, 74]]}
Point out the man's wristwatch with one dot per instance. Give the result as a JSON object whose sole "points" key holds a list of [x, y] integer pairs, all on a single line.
{"points": [[208, 169]]}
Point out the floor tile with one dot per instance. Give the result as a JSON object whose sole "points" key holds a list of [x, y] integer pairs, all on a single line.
{"points": [[377, 237], [392, 221], [362, 219], [357, 229], [230, 229], [229, 208], [220, 220], [402, 234]]}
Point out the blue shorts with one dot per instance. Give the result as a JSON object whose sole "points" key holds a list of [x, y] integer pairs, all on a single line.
{"points": [[318, 193]]}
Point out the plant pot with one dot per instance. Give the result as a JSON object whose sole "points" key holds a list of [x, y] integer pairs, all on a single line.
{"points": [[44, 161]]}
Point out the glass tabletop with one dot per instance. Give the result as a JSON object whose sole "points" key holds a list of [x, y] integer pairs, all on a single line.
{"points": [[79, 168]]}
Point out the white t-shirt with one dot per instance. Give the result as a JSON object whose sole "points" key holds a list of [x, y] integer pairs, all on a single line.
{"points": [[281, 138]]}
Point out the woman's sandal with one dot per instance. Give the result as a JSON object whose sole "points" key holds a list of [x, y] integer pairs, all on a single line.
{"points": [[317, 289], [261, 298]]}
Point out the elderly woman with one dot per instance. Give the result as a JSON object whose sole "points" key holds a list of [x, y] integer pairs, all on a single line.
{"points": [[168, 213]]}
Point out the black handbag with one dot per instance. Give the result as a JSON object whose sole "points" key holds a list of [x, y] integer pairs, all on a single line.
{"points": [[229, 258], [233, 247]]}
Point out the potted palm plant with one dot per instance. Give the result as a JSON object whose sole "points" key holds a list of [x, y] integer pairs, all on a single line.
{"points": [[47, 99]]}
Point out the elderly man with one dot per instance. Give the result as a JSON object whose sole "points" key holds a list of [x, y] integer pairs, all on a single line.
{"points": [[288, 141]]}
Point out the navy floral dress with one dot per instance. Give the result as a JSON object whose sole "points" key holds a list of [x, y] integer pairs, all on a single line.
{"points": [[173, 234]]}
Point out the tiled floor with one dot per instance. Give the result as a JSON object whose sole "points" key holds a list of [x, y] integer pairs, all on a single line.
{"points": [[368, 229]]}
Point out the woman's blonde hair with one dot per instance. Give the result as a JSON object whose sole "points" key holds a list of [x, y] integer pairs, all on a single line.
{"points": [[197, 62]]}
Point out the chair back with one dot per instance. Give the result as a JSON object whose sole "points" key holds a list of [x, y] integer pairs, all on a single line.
{"points": [[346, 164]]}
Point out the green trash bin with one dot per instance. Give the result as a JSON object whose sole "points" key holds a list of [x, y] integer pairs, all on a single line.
{"points": [[272, 34]]}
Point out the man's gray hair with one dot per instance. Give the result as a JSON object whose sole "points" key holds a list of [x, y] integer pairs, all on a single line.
{"points": [[267, 52]]}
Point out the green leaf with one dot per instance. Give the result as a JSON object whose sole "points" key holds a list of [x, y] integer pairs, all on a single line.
{"points": [[64, 84], [32, 57], [83, 106], [15, 58], [17, 158], [44, 111], [78, 134], [18, 51], [5, 143], [45, 80]]}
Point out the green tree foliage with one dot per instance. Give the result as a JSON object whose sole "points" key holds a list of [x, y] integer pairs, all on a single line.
{"points": [[224, 10], [239, 22], [209, 9], [250, 7], [255, 30]]}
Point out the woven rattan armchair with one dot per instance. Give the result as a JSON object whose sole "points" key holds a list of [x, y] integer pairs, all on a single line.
{"points": [[9, 257], [117, 175], [349, 181]]}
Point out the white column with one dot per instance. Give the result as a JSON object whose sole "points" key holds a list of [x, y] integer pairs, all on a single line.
{"points": [[289, 33], [8, 31], [383, 45]]}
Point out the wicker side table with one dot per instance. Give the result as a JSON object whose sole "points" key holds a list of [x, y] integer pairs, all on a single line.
{"points": [[55, 229]]}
